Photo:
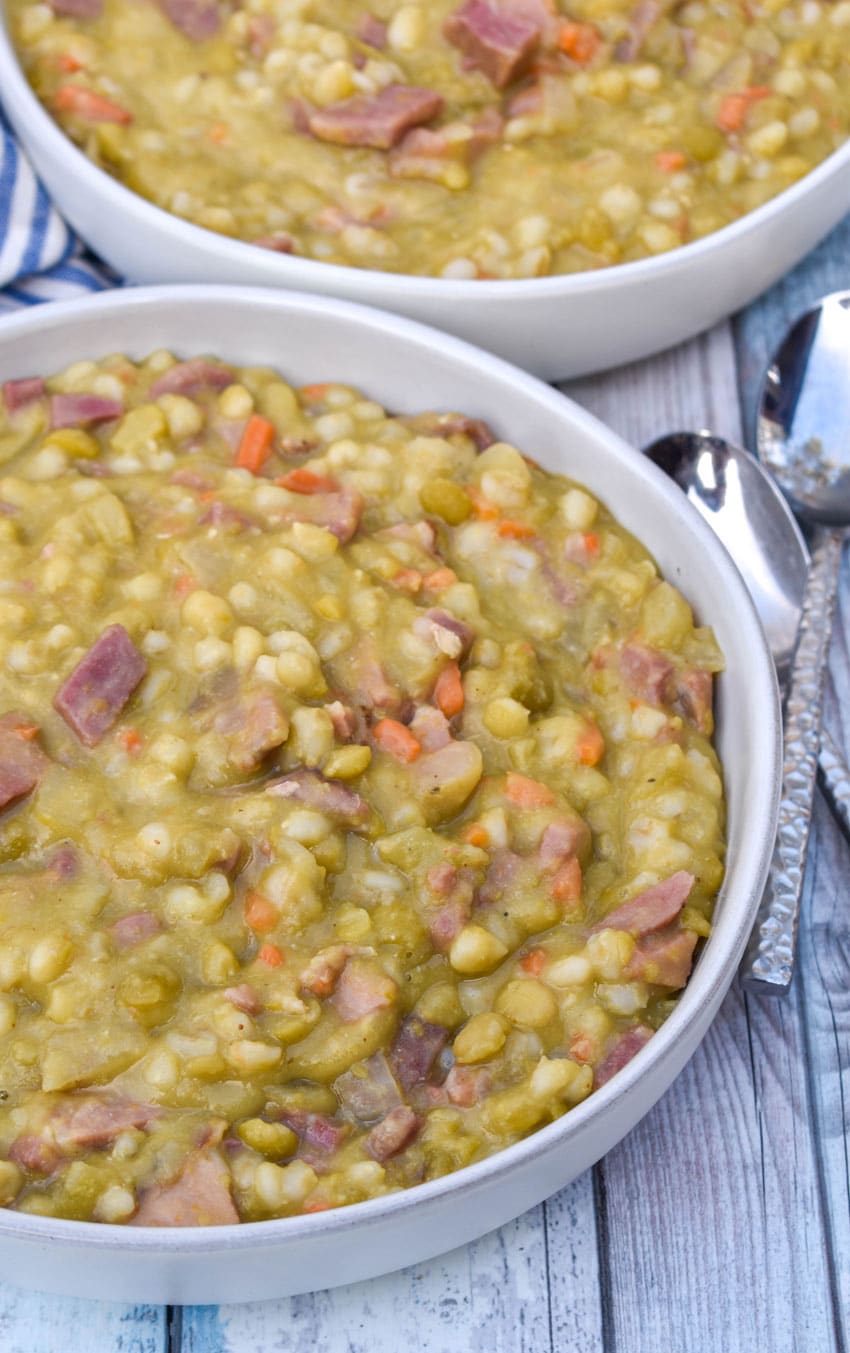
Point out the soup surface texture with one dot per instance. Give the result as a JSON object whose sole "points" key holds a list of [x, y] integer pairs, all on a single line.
{"points": [[455, 138], [359, 809]]}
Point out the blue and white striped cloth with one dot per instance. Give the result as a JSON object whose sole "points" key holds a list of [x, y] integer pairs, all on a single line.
{"points": [[40, 257]]}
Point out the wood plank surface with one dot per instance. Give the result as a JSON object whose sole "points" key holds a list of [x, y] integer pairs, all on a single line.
{"points": [[31, 1322]]}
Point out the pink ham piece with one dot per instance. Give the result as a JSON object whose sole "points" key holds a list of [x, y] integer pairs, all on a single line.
{"points": [[90, 1122], [417, 1046], [337, 512], [452, 425], [34, 1153], [627, 1047], [498, 42], [70, 410], [197, 374], [21, 758], [317, 1131], [646, 672], [199, 1196], [195, 19], [17, 394], [100, 685], [310, 789], [279, 243], [467, 1085], [346, 721], [691, 696], [376, 120], [448, 634], [372, 31], [445, 925], [559, 841], [369, 1090], [77, 9], [361, 990], [134, 929], [393, 1133], [653, 909], [431, 729], [223, 517], [664, 958], [367, 682], [245, 998], [254, 722], [644, 17]]}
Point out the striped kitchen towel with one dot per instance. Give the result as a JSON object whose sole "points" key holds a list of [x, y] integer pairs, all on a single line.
{"points": [[40, 258]]}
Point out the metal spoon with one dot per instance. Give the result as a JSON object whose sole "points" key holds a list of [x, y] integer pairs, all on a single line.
{"points": [[746, 510]]}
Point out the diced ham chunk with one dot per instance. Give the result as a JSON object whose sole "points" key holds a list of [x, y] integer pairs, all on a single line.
{"points": [[369, 1090], [323, 971], [34, 1153], [431, 729], [626, 1047], [653, 909], [17, 394], [199, 1196], [643, 18], [21, 758], [97, 690], [279, 243], [691, 696], [445, 925], [346, 721], [559, 841], [372, 31], [195, 19], [497, 42], [312, 790], [646, 672], [224, 517], [448, 634], [467, 1085], [452, 425], [366, 682], [197, 374], [338, 512], [362, 989], [317, 1131], [134, 929], [393, 1133], [68, 410], [90, 1122], [378, 120], [245, 998], [254, 722], [664, 958], [445, 779], [417, 1046]]}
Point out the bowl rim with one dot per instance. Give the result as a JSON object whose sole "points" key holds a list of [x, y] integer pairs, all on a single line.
{"points": [[378, 286], [718, 961]]}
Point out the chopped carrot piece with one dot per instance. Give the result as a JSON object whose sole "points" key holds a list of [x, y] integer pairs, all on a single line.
{"points": [[669, 161], [271, 955], [579, 41], [515, 530], [131, 740], [733, 110], [316, 1205], [590, 747], [256, 444], [218, 133], [315, 392], [303, 480], [396, 739], [533, 962], [476, 835], [439, 579], [592, 544], [482, 508], [89, 105], [407, 580], [566, 884], [581, 1048], [260, 914], [526, 793], [448, 691], [184, 583]]}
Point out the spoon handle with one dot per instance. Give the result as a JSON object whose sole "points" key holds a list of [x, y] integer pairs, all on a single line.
{"points": [[768, 964], [834, 780]]}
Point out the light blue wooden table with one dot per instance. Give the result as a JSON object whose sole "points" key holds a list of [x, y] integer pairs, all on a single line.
{"points": [[722, 1224]]}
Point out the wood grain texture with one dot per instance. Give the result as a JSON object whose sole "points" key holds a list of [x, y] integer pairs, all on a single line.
{"points": [[492, 1295], [33, 1323]]}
